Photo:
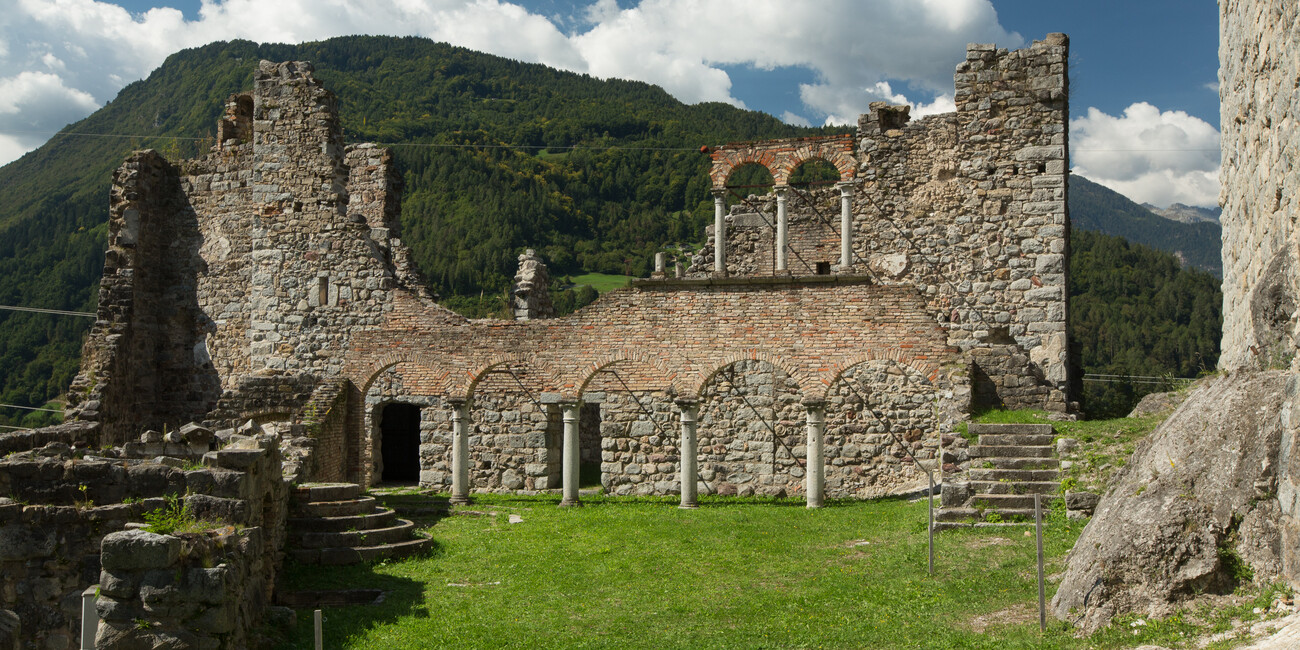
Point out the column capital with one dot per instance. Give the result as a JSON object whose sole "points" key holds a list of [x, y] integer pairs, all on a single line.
{"points": [[686, 402], [719, 193], [813, 403], [780, 190]]}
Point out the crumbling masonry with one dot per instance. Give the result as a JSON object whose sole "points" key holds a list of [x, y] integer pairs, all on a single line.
{"points": [[835, 334]]}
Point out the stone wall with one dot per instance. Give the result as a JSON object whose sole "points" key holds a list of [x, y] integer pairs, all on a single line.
{"points": [[195, 590], [970, 207], [144, 364], [59, 505], [1258, 40], [237, 276], [1259, 45]]}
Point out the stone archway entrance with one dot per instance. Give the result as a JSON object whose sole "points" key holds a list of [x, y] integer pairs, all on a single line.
{"points": [[399, 429]]}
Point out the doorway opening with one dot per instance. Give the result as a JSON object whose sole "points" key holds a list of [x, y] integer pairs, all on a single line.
{"points": [[399, 430]]}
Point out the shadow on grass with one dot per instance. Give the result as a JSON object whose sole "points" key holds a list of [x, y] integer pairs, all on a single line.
{"points": [[403, 598]]}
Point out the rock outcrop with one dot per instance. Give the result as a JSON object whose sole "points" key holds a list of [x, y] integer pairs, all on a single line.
{"points": [[1195, 511]]}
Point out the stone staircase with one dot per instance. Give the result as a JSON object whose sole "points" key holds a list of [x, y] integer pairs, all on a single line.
{"points": [[1009, 465], [334, 523]]}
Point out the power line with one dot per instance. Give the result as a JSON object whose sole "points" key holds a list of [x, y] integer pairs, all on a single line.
{"points": [[5, 426], [32, 408], [443, 145], [58, 312]]}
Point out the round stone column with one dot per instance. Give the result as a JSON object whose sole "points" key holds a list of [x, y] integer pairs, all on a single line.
{"points": [[459, 451], [815, 473], [569, 411], [719, 232], [690, 454], [782, 231], [846, 227]]}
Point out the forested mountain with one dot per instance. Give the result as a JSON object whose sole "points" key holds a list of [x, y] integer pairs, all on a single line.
{"points": [[497, 155], [1136, 311], [638, 182], [1096, 208]]}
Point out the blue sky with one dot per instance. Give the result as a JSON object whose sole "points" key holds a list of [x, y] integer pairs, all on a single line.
{"points": [[1144, 103]]}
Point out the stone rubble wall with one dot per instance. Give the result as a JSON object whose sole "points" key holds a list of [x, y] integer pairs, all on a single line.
{"points": [[1258, 41], [143, 365], [74, 434], [969, 207], [206, 591], [245, 269], [60, 505]]}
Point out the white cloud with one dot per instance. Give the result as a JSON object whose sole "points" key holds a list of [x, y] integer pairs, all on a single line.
{"points": [[1148, 155], [96, 47], [849, 47], [849, 103], [33, 105], [796, 119]]}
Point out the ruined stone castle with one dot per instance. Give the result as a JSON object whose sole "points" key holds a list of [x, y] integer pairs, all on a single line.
{"points": [[819, 343]]}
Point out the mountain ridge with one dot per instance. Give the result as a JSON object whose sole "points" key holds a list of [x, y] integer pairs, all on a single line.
{"points": [[485, 145]]}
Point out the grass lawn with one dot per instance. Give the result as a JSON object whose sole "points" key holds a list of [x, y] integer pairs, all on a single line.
{"points": [[737, 573], [602, 282]]}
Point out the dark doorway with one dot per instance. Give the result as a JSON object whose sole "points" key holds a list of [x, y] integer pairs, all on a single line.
{"points": [[399, 428]]}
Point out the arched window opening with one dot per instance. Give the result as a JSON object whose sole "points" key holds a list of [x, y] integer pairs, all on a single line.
{"points": [[814, 172], [749, 179]]}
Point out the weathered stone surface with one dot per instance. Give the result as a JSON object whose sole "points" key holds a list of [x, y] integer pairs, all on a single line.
{"points": [[1261, 182], [1158, 534], [136, 549], [531, 290], [1157, 403]]}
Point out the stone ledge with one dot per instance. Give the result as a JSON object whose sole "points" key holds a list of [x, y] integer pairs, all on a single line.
{"points": [[800, 280]]}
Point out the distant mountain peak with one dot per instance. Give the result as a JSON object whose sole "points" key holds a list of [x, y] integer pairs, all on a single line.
{"points": [[1186, 213]]}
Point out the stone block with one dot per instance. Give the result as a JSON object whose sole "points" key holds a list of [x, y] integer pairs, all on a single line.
{"points": [[138, 549]]}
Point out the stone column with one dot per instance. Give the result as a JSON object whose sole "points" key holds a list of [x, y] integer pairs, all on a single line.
{"points": [[815, 473], [719, 233], [690, 409], [571, 454], [782, 231], [459, 451], [846, 226]]}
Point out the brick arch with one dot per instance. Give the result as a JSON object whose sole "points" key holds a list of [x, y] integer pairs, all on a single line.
{"points": [[473, 376], [843, 163], [781, 157], [801, 378], [382, 363], [623, 355], [929, 373]]}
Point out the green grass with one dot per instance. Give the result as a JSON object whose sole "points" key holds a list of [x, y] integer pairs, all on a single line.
{"points": [[737, 573], [602, 282]]}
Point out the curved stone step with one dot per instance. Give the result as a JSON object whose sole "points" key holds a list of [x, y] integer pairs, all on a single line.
{"points": [[358, 506], [316, 492], [359, 554], [380, 518], [354, 538]]}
